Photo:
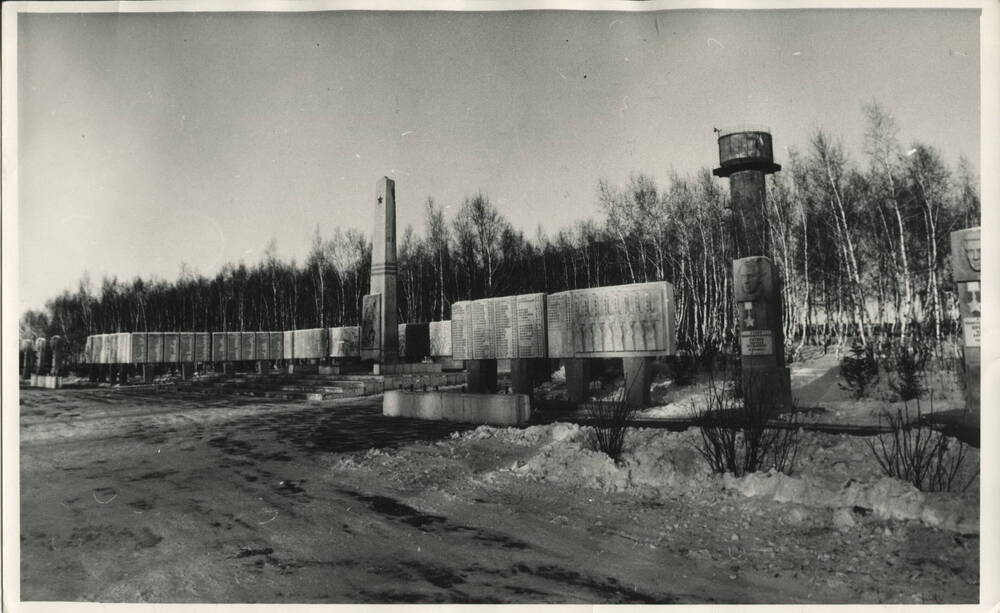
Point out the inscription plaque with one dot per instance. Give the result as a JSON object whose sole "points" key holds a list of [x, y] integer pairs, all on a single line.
{"points": [[186, 346], [288, 344], [756, 342], [154, 347], [171, 347], [972, 332]]}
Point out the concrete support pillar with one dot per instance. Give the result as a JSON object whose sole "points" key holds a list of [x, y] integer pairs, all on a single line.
{"points": [[92, 372], [29, 363], [757, 292], [228, 368], [123, 373], [481, 376], [966, 265], [187, 371], [524, 373], [638, 377], [577, 379], [148, 372]]}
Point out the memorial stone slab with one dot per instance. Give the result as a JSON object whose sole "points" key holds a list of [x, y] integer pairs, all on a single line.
{"points": [[635, 320], [288, 344], [460, 331], [262, 348], [344, 342], [414, 341], [248, 346], [123, 352], [234, 347], [138, 342], [202, 347], [275, 345], [186, 341], [219, 351], [97, 348], [154, 347], [171, 347], [440, 338], [311, 343]]}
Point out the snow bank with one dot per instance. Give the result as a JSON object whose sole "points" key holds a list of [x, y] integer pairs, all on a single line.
{"points": [[833, 471]]}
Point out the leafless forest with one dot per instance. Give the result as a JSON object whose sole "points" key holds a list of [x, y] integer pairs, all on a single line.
{"points": [[861, 243]]}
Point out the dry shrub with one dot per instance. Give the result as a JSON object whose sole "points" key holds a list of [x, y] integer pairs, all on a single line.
{"points": [[742, 435]]}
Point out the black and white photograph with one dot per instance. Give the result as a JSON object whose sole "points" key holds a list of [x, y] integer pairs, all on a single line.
{"points": [[456, 303]]}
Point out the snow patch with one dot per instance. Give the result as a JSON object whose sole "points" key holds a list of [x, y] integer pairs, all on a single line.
{"points": [[834, 472]]}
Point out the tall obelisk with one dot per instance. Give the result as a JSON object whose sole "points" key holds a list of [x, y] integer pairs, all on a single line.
{"points": [[380, 336]]}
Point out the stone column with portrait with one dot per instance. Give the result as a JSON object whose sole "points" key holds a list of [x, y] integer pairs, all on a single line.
{"points": [[757, 292], [966, 264]]}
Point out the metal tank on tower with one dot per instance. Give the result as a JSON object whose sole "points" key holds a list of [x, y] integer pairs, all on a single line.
{"points": [[746, 156]]}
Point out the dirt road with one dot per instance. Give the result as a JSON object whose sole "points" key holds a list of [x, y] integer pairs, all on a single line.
{"points": [[132, 497]]}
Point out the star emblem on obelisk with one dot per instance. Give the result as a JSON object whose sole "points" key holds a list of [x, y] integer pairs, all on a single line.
{"points": [[748, 318], [974, 304], [380, 199]]}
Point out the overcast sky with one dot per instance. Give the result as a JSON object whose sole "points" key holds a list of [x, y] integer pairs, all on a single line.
{"points": [[151, 139]]}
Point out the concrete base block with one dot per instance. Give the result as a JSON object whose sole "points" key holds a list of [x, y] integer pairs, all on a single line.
{"points": [[497, 410], [400, 368], [303, 369], [973, 368], [638, 377], [481, 376], [51, 382], [577, 379], [447, 363]]}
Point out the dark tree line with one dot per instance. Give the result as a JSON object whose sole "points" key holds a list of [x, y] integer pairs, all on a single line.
{"points": [[862, 246]]}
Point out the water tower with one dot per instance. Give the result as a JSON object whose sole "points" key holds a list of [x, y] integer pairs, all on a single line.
{"points": [[745, 156]]}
